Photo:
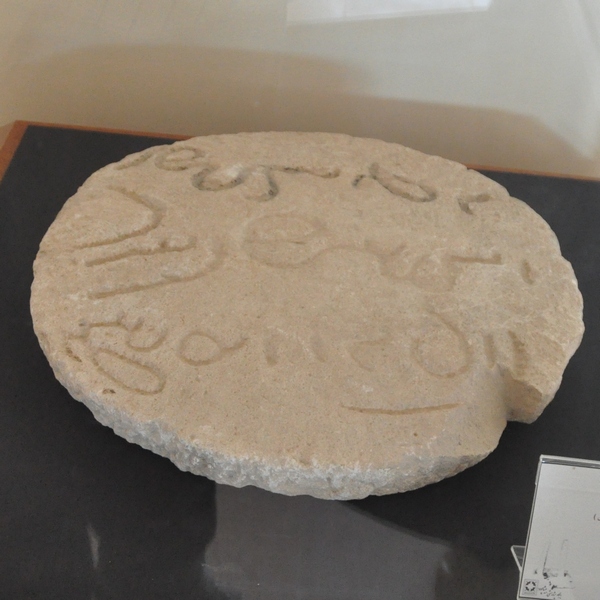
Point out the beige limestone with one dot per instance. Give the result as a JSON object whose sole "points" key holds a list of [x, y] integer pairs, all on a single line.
{"points": [[308, 313]]}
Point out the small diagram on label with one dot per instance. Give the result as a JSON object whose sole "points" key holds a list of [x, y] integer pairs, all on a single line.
{"points": [[530, 585], [553, 578]]}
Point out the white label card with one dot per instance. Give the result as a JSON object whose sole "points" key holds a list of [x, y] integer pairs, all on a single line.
{"points": [[562, 556]]}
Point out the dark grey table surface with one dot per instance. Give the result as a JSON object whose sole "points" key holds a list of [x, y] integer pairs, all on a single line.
{"points": [[86, 515]]}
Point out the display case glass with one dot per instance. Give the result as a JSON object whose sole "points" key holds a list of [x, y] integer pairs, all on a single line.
{"points": [[85, 514]]}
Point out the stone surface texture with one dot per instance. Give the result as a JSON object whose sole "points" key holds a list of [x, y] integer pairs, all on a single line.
{"points": [[307, 313]]}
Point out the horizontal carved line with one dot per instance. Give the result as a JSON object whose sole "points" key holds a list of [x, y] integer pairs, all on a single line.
{"points": [[142, 251], [403, 411]]}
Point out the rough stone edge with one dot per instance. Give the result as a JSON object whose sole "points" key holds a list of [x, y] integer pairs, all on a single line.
{"points": [[287, 477]]}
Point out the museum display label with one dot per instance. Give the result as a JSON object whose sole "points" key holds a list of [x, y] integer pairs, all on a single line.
{"points": [[563, 543]]}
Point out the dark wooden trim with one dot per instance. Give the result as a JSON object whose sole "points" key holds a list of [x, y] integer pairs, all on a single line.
{"points": [[528, 172], [11, 135], [169, 136]]}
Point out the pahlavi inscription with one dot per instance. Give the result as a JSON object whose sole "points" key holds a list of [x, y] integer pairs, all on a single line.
{"points": [[308, 313]]}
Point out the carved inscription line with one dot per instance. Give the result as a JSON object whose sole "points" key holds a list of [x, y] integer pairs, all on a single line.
{"points": [[277, 343], [401, 185], [266, 251], [527, 272], [157, 212], [495, 259], [260, 253], [465, 203], [71, 353], [387, 269], [257, 179], [323, 172], [424, 270], [464, 349], [171, 274], [270, 350], [153, 274], [136, 159], [402, 411], [179, 158], [318, 346], [288, 241], [124, 367], [361, 352], [519, 357], [437, 346], [164, 279], [489, 348], [164, 246], [200, 348], [168, 158], [154, 337], [262, 186], [148, 375]]}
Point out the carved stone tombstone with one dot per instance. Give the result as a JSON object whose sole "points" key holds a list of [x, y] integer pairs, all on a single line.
{"points": [[308, 313]]}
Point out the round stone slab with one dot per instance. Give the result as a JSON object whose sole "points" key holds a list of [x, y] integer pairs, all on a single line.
{"points": [[307, 313]]}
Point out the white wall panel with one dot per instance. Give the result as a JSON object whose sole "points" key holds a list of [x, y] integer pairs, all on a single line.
{"points": [[505, 83]]}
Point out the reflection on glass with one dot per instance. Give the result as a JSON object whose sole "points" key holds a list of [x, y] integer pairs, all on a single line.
{"points": [[310, 11], [273, 547], [94, 540]]}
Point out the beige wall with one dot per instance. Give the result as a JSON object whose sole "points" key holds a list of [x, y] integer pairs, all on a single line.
{"points": [[507, 83]]}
